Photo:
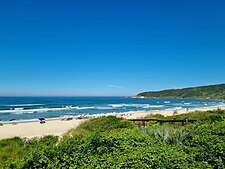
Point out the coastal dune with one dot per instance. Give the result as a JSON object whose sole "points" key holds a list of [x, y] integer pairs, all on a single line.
{"points": [[58, 127]]}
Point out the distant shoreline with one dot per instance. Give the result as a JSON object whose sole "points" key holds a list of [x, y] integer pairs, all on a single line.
{"points": [[143, 97]]}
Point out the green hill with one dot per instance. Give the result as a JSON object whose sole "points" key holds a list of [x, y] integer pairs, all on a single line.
{"points": [[201, 92]]}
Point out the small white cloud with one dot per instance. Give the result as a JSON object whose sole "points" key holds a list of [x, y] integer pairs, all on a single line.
{"points": [[115, 86]]}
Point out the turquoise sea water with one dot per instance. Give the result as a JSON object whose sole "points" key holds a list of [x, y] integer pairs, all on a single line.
{"points": [[26, 108]]}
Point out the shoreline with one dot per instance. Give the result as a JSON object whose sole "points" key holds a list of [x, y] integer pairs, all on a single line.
{"points": [[119, 114], [58, 127], [143, 97]]}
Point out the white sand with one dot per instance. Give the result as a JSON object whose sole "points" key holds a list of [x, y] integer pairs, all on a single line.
{"points": [[58, 127], [35, 129]]}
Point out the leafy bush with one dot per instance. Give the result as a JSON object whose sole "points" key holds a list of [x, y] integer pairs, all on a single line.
{"points": [[10, 149], [214, 117], [167, 133], [208, 143], [19, 150], [126, 149], [211, 115], [111, 142], [102, 124]]}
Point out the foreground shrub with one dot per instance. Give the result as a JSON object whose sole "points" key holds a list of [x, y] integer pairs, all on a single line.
{"points": [[116, 143], [208, 116], [22, 150], [208, 143], [124, 149], [167, 133], [101, 124], [10, 149]]}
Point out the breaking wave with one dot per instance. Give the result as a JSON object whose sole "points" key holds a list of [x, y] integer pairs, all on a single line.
{"points": [[36, 110], [135, 105], [25, 105]]}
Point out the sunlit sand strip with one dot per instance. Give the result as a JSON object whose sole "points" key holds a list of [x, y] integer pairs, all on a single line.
{"points": [[35, 129]]}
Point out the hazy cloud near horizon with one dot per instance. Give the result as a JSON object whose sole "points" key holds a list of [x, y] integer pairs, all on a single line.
{"points": [[116, 86]]}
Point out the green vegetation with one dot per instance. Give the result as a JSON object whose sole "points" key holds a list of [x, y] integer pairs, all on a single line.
{"points": [[202, 92], [209, 116], [111, 142]]}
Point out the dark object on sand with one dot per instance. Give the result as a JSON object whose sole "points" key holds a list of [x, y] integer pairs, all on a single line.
{"points": [[1, 123], [13, 121], [83, 117], [42, 120], [68, 118]]}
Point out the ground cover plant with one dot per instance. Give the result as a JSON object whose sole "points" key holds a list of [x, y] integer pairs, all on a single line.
{"points": [[111, 142]]}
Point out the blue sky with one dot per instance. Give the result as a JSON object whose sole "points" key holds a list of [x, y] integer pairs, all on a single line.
{"points": [[115, 47]]}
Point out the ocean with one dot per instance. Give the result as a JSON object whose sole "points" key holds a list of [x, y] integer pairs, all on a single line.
{"points": [[29, 108]]}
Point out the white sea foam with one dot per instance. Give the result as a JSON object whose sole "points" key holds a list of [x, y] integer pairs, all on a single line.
{"points": [[25, 105], [83, 108], [166, 101], [21, 111], [135, 105], [92, 107], [116, 105], [103, 108], [187, 103], [19, 108], [152, 106], [40, 110]]}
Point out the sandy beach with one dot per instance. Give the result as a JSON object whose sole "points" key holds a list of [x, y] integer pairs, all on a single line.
{"points": [[58, 127], [35, 129], [170, 112]]}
